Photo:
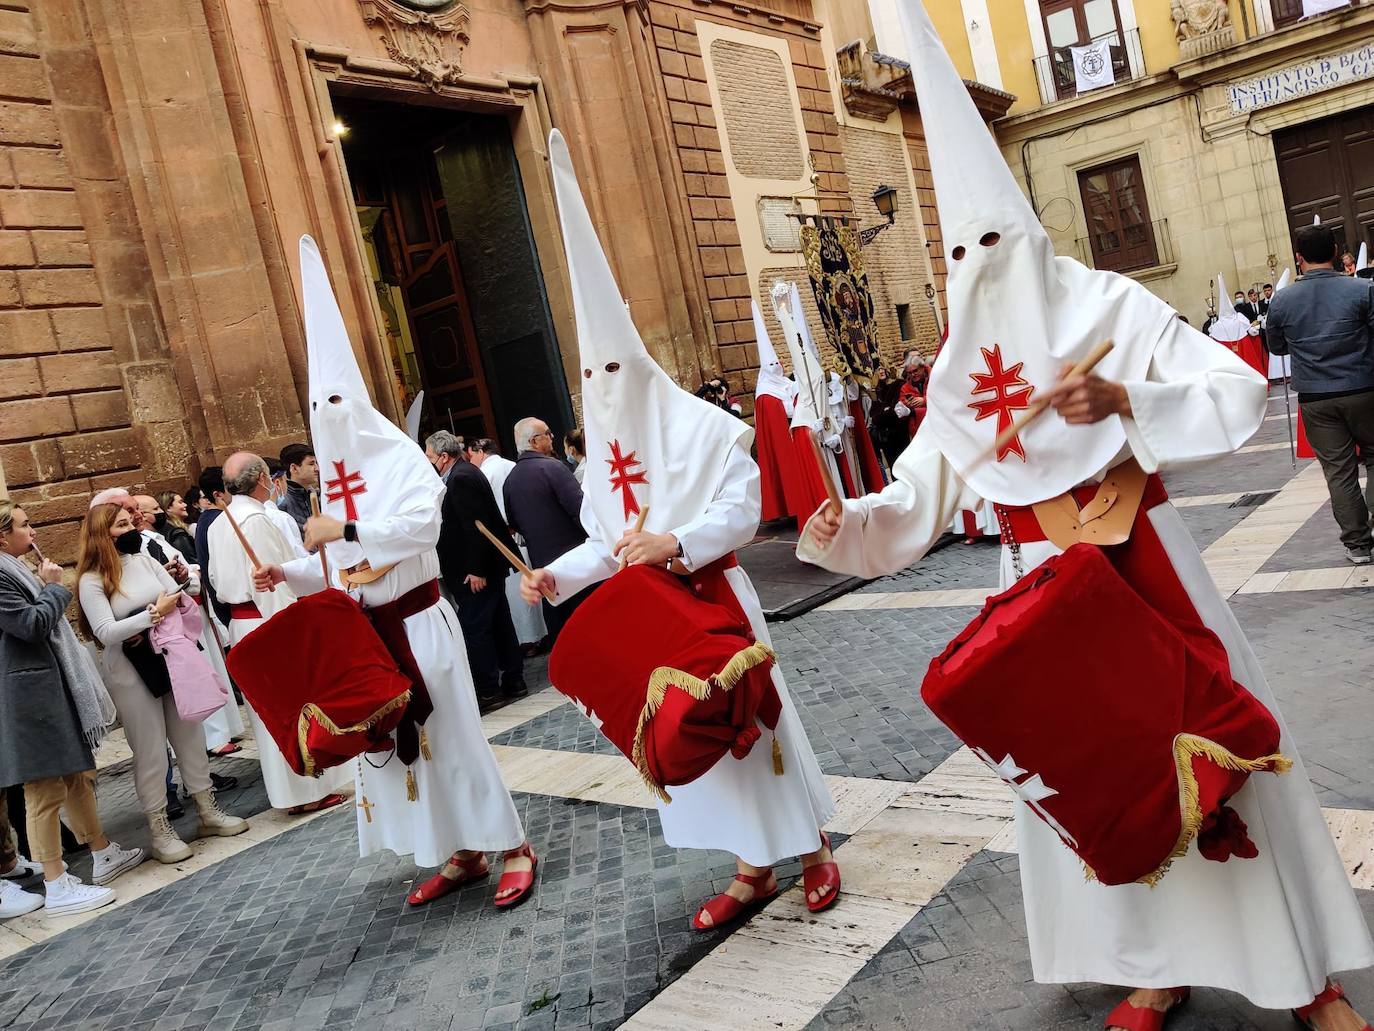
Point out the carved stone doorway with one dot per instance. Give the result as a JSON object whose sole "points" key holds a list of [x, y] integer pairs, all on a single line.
{"points": [[454, 267]]}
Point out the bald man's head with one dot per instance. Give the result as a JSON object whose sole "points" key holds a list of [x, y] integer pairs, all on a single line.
{"points": [[110, 496], [246, 473], [148, 510]]}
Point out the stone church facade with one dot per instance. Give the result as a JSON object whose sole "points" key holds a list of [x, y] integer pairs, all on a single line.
{"points": [[160, 160]]}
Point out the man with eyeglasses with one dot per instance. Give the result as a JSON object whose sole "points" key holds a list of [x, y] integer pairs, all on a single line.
{"points": [[544, 505]]}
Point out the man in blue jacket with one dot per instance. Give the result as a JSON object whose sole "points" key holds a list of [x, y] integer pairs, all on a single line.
{"points": [[1325, 321]]}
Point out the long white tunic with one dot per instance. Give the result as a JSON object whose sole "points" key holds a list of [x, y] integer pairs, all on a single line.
{"points": [[462, 802], [232, 575], [528, 619], [1270, 928], [739, 805]]}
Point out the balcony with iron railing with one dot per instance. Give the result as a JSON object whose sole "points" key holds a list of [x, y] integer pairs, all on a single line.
{"points": [[1058, 78], [1133, 250]]}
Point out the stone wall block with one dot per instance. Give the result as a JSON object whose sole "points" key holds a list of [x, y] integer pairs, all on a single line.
{"points": [[30, 463], [38, 417], [87, 370], [25, 332], [64, 247], [16, 33], [9, 289], [80, 329], [16, 250], [53, 209], [60, 286], [100, 410], [23, 78], [44, 168], [19, 378], [22, 123], [105, 451]]}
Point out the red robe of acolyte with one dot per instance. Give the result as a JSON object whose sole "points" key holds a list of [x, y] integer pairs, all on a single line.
{"points": [[812, 485], [872, 470], [784, 488]]}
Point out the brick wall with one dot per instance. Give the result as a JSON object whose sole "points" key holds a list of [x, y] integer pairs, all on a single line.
{"points": [[698, 144], [925, 195]]}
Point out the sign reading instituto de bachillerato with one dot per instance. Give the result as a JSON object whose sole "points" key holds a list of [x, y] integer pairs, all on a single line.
{"points": [[1301, 80]]}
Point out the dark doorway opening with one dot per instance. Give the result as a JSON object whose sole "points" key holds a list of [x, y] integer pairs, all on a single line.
{"points": [[1327, 169], [453, 262]]}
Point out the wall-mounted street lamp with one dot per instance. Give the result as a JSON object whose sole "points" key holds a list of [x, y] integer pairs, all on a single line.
{"points": [[885, 200]]}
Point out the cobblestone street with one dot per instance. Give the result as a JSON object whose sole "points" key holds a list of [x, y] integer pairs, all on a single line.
{"points": [[285, 928]]}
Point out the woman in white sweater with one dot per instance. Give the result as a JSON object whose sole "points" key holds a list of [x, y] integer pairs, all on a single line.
{"points": [[123, 594]]}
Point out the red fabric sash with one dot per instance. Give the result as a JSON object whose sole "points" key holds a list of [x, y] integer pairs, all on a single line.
{"points": [[244, 610], [389, 622]]}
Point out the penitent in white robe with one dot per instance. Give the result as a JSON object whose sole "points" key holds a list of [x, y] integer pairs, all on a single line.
{"points": [[462, 802], [739, 805], [1270, 928], [232, 575]]}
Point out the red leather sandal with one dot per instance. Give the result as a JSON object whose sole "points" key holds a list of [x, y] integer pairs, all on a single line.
{"points": [[521, 879], [725, 909], [817, 877], [1133, 1018], [469, 870], [328, 802], [1333, 992]]}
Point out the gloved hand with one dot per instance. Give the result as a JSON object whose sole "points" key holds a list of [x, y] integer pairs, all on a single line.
{"points": [[833, 442], [903, 412], [849, 422]]}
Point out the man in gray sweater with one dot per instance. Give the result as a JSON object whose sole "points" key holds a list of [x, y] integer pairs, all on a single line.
{"points": [[1325, 321]]}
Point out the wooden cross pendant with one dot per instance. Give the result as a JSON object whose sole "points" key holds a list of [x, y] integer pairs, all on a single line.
{"points": [[367, 808]]}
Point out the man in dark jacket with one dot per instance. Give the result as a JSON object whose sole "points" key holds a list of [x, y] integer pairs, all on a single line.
{"points": [[544, 505], [302, 478], [474, 574], [1325, 321]]}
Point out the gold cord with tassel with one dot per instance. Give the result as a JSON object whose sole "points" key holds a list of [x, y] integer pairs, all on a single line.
{"points": [[777, 756], [424, 746], [412, 792]]}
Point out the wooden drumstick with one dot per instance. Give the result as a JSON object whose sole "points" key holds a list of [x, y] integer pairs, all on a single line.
{"points": [[512, 558], [639, 528], [832, 493], [1037, 408], [314, 511], [242, 539]]}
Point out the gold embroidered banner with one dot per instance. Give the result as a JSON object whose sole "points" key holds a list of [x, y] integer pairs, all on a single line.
{"points": [[834, 263]]}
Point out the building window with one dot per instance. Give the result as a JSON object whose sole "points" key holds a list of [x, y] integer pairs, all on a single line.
{"points": [[1076, 23], [904, 325], [1120, 233]]}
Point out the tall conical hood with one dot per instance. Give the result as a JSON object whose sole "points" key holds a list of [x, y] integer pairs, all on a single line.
{"points": [[772, 382], [369, 468], [811, 408], [1362, 261], [1000, 356], [649, 442], [1230, 325], [1225, 306], [1284, 280]]}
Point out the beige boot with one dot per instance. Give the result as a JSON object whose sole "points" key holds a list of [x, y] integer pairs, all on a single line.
{"points": [[167, 846], [214, 821]]}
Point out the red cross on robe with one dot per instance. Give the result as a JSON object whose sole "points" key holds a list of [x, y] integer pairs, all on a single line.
{"points": [[999, 382], [623, 478], [345, 487]]}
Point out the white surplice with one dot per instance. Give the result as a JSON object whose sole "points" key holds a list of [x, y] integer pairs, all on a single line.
{"points": [[739, 805], [1270, 928], [232, 575], [528, 619], [462, 802]]}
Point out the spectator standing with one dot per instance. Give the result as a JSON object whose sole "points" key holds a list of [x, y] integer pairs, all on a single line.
{"points": [[575, 447], [54, 712], [124, 593], [302, 477], [544, 505], [193, 499], [213, 495], [172, 525], [890, 431], [1325, 321], [475, 574], [528, 620]]}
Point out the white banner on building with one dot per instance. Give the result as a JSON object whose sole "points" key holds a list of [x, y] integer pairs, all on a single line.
{"points": [[1301, 80], [1092, 66], [1313, 7]]}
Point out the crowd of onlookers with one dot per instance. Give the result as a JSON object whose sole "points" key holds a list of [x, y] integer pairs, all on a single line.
{"points": [[154, 638]]}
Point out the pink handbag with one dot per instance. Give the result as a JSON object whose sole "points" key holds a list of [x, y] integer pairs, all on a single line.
{"points": [[198, 690]]}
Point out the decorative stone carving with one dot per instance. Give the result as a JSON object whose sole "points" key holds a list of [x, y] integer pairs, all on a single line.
{"points": [[1202, 26], [427, 36], [868, 81]]}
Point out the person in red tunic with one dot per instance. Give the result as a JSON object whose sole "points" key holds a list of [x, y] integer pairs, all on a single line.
{"points": [[775, 400]]}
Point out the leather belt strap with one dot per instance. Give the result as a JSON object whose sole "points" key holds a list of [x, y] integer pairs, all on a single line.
{"points": [[389, 622], [1102, 513]]}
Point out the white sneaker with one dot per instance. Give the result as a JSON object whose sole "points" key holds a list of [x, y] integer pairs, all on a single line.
{"points": [[1359, 556], [23, 868], [111, 861], [67, 895], [15, 901]]}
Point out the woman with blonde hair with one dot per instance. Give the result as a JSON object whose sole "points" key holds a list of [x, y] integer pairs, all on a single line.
{"points": [[54, 712], [171, 523], [124, 593]]}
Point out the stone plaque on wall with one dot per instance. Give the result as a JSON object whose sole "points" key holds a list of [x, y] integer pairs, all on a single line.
{"points": [[781, 232]]}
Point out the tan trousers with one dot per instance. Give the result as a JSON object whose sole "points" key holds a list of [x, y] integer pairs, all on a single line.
{"points": [[150, 724], [44, 801]]}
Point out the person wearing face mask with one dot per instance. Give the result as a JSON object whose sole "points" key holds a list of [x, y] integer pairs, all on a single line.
{"points": [[574, 447], [124, 593], [54, 712], [274, 538], [1249, 893]]}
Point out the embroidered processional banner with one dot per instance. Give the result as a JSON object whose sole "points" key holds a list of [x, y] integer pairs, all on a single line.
{"points": [[834, 263]]}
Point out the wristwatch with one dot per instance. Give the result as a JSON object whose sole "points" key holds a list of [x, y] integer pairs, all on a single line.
{"points": [[351, 532]]}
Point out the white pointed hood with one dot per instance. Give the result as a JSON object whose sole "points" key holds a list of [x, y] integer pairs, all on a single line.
{"points": [[417, 409], [1362, 261], [369, 468], [1284, 280], [649, 442], [811, 406], [1000, 356], [772, 381], [1230, 325]]}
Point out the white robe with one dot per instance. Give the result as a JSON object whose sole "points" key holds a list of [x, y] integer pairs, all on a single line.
{"points": [[1270, 928], [528, 619], [739, 805], [232, 575], [462, 803]]}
